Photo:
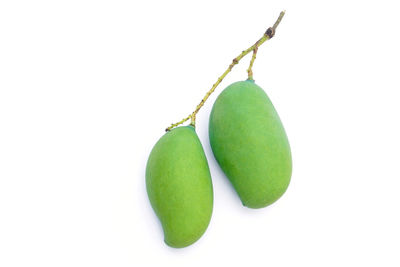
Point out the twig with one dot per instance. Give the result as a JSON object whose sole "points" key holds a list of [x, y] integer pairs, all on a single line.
{"points": [[267, 35], [249, 70]]}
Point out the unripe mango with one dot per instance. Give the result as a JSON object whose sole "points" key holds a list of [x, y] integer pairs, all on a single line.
{"points": [[179, 186], [250, 144]]}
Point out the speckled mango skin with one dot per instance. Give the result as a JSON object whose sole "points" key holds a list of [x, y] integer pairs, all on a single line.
{"points": [[250, 144], [179, 186]]}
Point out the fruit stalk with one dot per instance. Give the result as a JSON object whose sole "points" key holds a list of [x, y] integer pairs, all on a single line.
{"points": [[250, 70], [267, 35]]}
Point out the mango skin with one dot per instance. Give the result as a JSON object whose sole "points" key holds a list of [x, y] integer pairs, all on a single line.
{"points": [[250, 144], [179, 186]]}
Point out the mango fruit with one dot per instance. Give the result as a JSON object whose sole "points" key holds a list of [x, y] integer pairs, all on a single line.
{"points": [[179, 186], [250, 144]]}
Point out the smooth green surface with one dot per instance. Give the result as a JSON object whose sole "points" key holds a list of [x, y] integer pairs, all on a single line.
{"points": [[250, 144], [179, 186]]}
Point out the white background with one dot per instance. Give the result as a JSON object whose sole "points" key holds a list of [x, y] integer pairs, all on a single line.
{"points": [[88, 87]]}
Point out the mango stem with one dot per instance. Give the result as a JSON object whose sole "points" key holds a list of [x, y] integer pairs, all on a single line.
{"points": [[267, 35], [250, 70]]}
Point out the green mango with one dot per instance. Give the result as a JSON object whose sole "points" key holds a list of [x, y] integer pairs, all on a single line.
{"points": [[179, 186], [250, 144]]}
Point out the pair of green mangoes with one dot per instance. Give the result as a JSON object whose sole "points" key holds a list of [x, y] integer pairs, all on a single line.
{"points": [[249, 143]]}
